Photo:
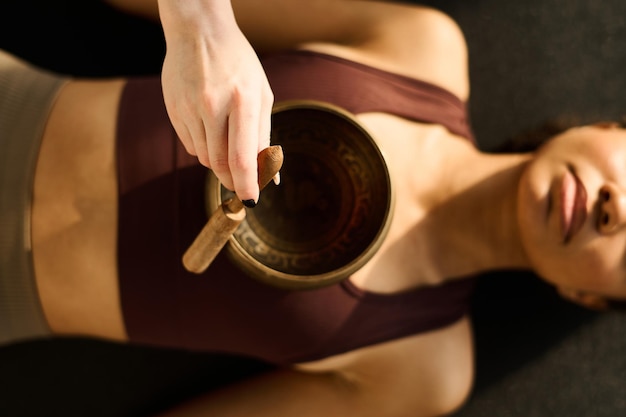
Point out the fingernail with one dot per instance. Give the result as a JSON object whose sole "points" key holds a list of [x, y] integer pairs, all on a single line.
{"points": [[249, 203]]}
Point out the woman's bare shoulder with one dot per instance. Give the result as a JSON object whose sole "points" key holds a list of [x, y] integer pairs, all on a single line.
{"points": [[417, 42]]}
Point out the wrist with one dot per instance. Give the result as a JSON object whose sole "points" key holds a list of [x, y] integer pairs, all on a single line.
{"points": [[180, 16]]}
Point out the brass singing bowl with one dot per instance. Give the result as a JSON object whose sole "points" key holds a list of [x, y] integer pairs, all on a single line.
{"points": [[332, 209]]}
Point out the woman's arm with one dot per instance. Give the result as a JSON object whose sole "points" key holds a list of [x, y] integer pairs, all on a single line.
{"points": [[416, 41], [278, 24], [413, 40], [272, 24], [424, 375]]}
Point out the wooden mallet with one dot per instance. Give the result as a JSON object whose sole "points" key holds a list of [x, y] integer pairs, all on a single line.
{"points": [[228, 216]]}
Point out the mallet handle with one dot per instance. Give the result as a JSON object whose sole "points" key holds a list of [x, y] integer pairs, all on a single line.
{"points": [[228, 216]]}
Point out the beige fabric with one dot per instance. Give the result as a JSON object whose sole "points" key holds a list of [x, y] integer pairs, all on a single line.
{"points": [[26, 96]]}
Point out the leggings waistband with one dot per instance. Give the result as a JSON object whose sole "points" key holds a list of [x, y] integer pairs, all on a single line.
{"points": [[26, 97]]}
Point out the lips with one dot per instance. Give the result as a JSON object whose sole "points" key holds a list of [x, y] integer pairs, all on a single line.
{"points": [[573, 205]]}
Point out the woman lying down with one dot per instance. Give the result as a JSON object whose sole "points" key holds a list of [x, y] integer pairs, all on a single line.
{"points": [[99, 200]]}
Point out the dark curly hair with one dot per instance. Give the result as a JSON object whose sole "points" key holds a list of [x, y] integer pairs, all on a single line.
{"points": [[531, 139]]}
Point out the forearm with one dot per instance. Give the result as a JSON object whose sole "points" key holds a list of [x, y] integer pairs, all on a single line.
{"points": [[190, 17], [276, 24], [281, 24]]}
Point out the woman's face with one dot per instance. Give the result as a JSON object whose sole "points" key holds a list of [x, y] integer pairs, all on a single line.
{"points": [[572, 211]]}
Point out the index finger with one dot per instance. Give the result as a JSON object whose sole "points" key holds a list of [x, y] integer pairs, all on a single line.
{"points": [[243, 125]]}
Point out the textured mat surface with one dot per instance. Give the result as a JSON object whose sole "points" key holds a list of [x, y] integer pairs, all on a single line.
{"points": [[537, 356], [531, 60]]}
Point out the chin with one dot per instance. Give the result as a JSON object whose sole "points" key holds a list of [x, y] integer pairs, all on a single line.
{"points": [[532, 210]]}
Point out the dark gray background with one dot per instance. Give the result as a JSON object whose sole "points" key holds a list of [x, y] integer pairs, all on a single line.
{"points": [[530, 60]]}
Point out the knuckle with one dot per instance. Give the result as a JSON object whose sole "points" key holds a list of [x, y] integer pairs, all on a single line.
{"points": [[206, 101], [241, 162], [220, 164], [238, 95]]}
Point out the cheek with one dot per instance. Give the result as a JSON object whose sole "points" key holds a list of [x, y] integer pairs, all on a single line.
{"points": [[600, 153]]}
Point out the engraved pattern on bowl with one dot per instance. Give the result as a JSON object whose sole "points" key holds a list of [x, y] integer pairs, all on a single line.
{"points": [[332, 208]]}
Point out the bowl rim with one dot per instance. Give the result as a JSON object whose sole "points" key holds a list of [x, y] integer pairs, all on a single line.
{"points": [[240, 257]]}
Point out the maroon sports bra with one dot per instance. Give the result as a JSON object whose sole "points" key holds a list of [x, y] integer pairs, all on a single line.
{"points": [[161, 209]]}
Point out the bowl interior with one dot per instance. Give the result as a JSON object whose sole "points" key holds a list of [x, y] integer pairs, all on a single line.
{"points": [[332, 208]]}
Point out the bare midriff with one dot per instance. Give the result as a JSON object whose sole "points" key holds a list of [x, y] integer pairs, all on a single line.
{"points": [[74, 215]]}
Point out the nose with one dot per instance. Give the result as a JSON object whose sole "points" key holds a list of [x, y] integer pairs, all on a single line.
{"points": [[612, 210]]}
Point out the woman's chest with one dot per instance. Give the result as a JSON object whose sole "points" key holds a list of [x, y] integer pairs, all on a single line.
{"points": [[419, 157]]}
